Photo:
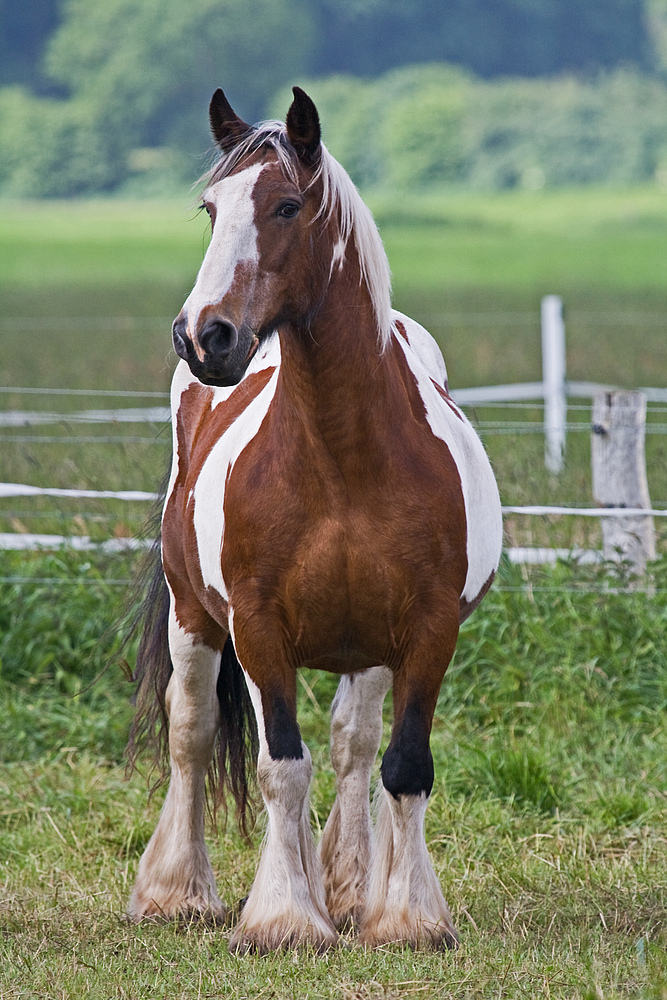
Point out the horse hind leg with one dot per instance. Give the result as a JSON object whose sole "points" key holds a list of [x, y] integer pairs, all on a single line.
{"points": [[405, 902], [356, 732], [286, 904], [175, 878]]}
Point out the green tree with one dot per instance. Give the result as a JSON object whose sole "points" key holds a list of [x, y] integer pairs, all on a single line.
{"points": [[24, 30], [140, 73], [53, 148], [656, 20], [150, 66], [421, 137]]}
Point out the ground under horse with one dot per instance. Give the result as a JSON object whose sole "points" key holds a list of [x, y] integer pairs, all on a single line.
{"points": [[329, 506]]}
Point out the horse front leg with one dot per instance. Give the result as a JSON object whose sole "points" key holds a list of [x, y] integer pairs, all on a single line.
{"points": [[286, 905], [175, 878], [356, 732], [405, 901]]}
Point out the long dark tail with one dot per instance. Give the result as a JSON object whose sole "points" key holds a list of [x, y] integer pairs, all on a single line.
{"points": [[237, 745], [150, 726]]}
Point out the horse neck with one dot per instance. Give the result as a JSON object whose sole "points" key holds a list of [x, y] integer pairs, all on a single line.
{"points": [[334, 371]]}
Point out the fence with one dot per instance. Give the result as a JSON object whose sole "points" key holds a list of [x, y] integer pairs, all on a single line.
{"points": [[619, 425]]}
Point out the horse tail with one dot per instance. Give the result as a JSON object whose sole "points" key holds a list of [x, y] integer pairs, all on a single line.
{"points": [[150, 725], [237, 744]]}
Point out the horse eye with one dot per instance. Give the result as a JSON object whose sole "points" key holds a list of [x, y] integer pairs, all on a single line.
{"points": [[289, 210]]}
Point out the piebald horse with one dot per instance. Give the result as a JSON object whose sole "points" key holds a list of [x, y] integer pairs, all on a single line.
{"points": [[329, 506]]}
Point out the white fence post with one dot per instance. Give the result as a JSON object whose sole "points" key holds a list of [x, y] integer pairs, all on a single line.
{"points": [[619, 475], [553, 377]]}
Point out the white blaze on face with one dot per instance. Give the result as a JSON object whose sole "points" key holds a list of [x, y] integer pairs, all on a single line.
{"points": [[234, 241]]}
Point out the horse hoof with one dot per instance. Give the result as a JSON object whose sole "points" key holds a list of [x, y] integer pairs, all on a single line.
{"points": [[193, 912], [421, 935], [261, 941]]}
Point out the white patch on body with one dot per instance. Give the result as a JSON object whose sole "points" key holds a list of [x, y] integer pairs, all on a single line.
{"points": [[233, 241], [183, 377], [480, 492], [209, 493]]}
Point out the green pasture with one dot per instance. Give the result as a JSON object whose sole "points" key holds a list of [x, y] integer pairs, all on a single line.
{"points": [[548, 822], [457, 260]]}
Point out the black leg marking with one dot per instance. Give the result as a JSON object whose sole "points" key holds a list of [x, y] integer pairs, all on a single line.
{"points": [[282, 731], [407, 766]]}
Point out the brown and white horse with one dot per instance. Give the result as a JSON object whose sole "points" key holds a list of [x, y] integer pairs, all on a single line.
{"points": [[329, 506]]}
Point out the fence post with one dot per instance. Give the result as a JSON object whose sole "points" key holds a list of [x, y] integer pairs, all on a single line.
{"points": [[553, 378], [619, 475]]}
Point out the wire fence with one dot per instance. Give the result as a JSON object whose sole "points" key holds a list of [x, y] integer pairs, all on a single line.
{"points": [[529, 398]]}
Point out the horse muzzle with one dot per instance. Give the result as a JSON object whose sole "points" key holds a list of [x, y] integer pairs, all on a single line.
{"points": [[227, 351]]}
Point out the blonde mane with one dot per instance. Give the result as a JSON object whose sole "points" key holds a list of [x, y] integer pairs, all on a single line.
{"points": [[340, 198]]}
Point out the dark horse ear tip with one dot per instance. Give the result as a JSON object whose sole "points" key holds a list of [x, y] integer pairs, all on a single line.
{"points": [[303, 124], [219, 100], [226, 126]]}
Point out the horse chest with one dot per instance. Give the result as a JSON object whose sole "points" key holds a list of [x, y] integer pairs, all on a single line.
{"points": [[339, 564]]}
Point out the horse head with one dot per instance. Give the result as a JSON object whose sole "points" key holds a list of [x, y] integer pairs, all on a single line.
{"points": [[269, 258]]}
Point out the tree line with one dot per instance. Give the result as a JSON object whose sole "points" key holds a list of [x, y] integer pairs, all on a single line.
{"points": [[485, 92]]}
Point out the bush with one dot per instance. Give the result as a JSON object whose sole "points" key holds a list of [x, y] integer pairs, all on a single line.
{"points": [[53, 148], [424, 126], [417, 127]]}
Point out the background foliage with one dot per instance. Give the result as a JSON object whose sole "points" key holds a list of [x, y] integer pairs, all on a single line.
{"points": [[433, 124], [491, 93]]}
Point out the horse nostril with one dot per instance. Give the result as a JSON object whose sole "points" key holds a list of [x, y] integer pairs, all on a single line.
{"points": [[218, 338], [179, 337]]}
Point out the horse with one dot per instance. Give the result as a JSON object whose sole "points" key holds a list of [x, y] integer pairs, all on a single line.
{"points": [[329, 506]]}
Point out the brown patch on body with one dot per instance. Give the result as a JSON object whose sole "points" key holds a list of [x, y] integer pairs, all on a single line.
{"points": [[345, 534], [400, 327], [447, 398], [466, 608]]}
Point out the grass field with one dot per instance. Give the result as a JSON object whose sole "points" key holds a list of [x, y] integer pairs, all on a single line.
{"points": [[548, 822], [546, 825]]}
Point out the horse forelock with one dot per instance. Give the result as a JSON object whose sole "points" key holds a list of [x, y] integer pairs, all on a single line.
{"points": [[341, 202]]}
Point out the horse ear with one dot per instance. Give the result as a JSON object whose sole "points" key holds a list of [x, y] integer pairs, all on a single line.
{"points": [[227, 128], [303, 125]]}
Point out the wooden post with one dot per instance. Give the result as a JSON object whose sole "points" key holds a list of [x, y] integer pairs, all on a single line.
{"points": [[619, 475], [553, 378]]}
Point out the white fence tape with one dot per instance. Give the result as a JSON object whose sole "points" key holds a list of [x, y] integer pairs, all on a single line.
{"points": [[33, 542], [22, 490], [485, 395], [80, 543], [540, 557], [129, 415], [588, 511], [35, 391]]}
